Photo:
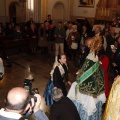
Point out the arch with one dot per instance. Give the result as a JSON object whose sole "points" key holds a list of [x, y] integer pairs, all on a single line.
{"points": [[58, 11], [13, 9]]}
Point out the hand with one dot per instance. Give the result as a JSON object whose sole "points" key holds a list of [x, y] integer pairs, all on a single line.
{"points": [[55, 36], [114, 64], [33, 36], [38, 103], [72, 37], [116, 77], [117, 35], [77, 72], [29, 108], [69, 83], [59, 36]]}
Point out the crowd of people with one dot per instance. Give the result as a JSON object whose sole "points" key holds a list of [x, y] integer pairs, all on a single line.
{"points": [[98, 53]]}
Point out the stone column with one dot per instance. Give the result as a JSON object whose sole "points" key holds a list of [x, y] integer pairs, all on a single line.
{"points": [[70, 9], [44, 7]]}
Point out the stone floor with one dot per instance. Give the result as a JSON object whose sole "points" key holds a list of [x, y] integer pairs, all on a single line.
{"points": [[39, 66]]}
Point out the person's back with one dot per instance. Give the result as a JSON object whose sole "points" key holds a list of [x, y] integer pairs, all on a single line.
{"points": [[7, 115], [64, 109]]}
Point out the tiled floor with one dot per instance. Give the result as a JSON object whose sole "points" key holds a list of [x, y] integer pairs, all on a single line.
{"points": [[24, 64]]}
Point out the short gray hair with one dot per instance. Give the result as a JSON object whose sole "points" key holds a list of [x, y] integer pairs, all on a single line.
{"points": [[57, 93]]}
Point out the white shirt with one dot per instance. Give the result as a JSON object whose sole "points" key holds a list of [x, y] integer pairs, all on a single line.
{"points": [[10, 114], [68, 32]]}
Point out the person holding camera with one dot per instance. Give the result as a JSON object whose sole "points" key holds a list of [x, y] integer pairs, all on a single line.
{"points": [[18, 103]]}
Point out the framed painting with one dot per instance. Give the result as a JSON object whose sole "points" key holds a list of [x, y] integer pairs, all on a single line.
{"points": [[86, 3]]}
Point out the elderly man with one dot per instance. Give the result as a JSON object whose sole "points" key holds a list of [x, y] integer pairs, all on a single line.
{"points": [[63, 108], [97, 31], [17, 103]]}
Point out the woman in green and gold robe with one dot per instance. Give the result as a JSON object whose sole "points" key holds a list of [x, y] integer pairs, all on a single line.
{"points": [[88, 93]]}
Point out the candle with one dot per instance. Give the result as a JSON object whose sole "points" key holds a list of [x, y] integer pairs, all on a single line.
{"points": [[108, 12], [29, 69], [105, 12], [30, 76], [102, 12]]}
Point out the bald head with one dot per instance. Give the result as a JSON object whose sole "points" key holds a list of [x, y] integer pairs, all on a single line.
{"points": [[17, 98], [89, 42]]}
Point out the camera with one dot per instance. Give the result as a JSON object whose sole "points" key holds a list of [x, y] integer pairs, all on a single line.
{"points": [[28, 87], [1, 75]]}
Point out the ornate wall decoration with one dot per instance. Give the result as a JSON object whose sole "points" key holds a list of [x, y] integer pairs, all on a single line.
{"points": [[86, 3]]}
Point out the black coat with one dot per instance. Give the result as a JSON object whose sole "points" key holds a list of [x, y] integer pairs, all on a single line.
{"points": [[83, 56], [64, 109], [116, 59], [51, 34], [110, 41], [58, 80]]}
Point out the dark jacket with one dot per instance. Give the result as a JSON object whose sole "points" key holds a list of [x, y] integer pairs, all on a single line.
{"points": [[58, 80], [116, 58], [76, 38], [60, 32], [17, 35], [33, 33], [64, 109], [110, 41], [51, 34], [83, 56]]}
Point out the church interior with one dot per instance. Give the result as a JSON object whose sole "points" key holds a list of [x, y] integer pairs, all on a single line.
{"points": [[20, 62]]}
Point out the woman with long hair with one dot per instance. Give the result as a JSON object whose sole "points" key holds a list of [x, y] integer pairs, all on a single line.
{"points": [[88, 92]]}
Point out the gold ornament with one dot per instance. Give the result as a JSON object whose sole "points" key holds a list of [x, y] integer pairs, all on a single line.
{"points": [[96, 44]]}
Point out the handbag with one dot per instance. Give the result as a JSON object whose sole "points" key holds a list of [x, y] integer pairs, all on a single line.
{"points": [[1, 75], [74, 45]]}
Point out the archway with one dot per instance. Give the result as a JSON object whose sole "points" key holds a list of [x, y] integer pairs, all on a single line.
{"points": [[58, 12], [13, 8]]}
